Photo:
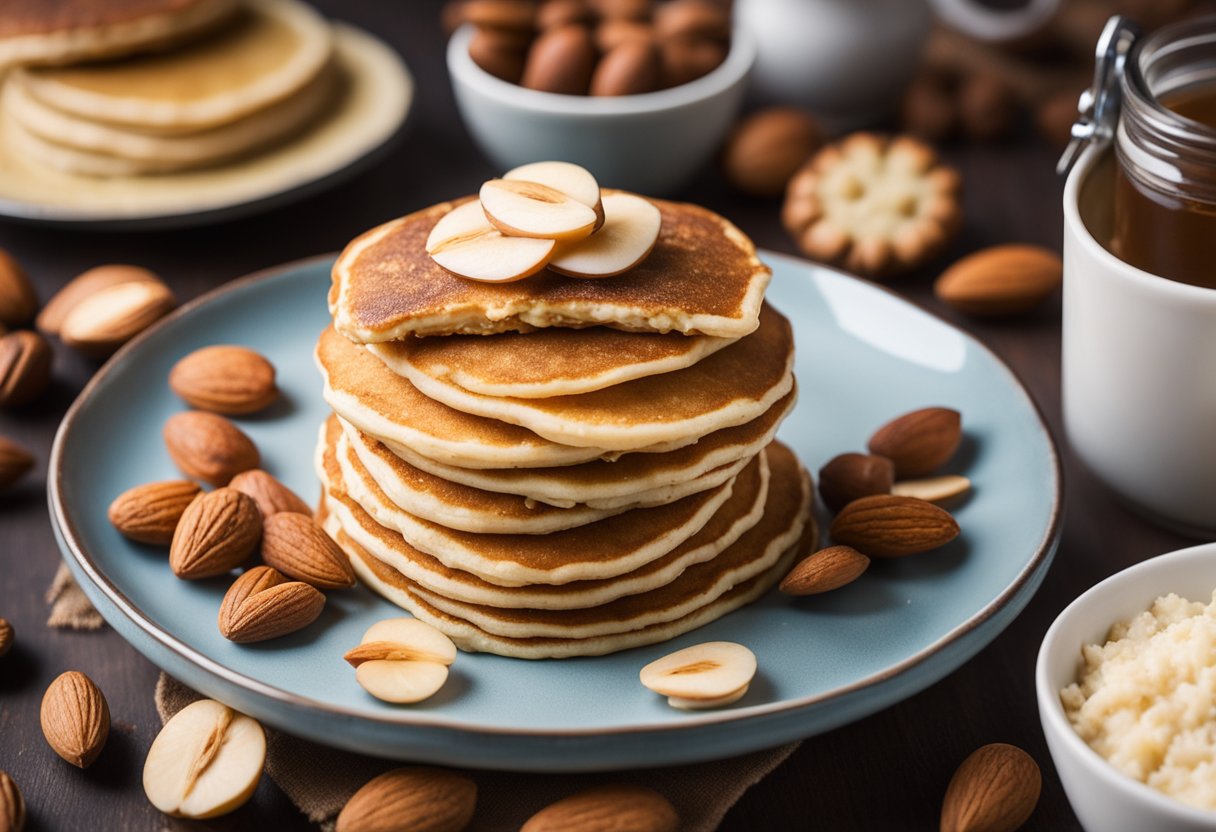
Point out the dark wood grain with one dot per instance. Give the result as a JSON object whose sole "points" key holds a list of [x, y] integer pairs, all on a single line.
{"points": [[885, 772]]}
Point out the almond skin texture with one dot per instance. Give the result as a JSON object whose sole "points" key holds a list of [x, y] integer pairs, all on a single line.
{"points": [[263, 604], [25, 367], [767, 148], [271, 495], [561, 60], [607, 809], [225, 379], [850, 477], [825, 570], [886, 526], [18, 300], [6, 636], [149, 513], [1001, 282], [50, 319], [75, 718], [994, 790], [105, 320], [416, 798], [15, 462], [919, 442], [217, 533], [296, 546], [12, 805], [209, 447]]}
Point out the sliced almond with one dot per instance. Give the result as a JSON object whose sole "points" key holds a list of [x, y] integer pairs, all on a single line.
{"points": [[631, 229], [150, 513], [572, 180], [205, 762], [75, 718], [530, 209], [415, 798], [402, 683], [263, 604], [87, 283], [933, 489], [271, 495], [465, 243], [710, 671], [217, 533], [108, 318], [402, 660], [685, 704]]}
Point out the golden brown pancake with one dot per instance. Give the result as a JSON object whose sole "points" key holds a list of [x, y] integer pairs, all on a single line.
{"points": [[730, 387], [703, 277]]}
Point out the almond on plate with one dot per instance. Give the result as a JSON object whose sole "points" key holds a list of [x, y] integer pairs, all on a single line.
{"points": [[705, 675], [271, 495], [205, 762], [150, 513], [919, 442], [225, 379], [105, 320], [530, 209], [296, 546], [263, 604], [825, 570], [209, 447], [415, 798], [630, 231], [50, 319], [465, 243], [617, 807], [75, 718], [994, 790], [1001, 281], [402, 660], [25, 367], [887, 526], [848, 477], [217, 533]]}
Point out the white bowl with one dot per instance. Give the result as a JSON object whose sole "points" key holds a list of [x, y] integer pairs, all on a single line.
{"points": [[652, 143], [1105, 799]]}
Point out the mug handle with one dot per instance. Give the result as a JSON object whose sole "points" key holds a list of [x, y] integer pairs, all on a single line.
{"points": [[986, 23]]}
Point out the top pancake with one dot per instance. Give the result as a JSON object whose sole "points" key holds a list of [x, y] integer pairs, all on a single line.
{"points": [[65, 31], [703, 277]]}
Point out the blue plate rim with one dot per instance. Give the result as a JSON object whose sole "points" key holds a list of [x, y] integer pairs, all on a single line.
{"points": [[73, 546]]}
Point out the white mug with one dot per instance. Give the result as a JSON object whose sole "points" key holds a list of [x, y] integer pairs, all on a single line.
{"points": [[1139, 367]]}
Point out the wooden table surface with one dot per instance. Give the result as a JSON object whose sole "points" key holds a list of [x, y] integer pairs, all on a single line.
{"points": [[888, 771]]}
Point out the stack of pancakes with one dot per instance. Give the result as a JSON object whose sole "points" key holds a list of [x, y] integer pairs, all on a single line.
{"points": [[560, 467], [135, 87]]}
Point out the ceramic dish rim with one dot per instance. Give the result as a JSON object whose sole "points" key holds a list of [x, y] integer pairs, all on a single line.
{"points": [[73, 545]]}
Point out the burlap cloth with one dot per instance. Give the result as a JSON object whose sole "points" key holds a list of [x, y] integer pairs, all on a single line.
{"points": [[319, 780]]}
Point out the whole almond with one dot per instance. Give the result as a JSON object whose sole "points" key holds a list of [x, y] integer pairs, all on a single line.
{"points": [[630, 69], [851, 476], [767, 148], [209, 447], [18, 300], [919, 442], [296, 546], [515, 15], [1001, 281], [687, 59], [12, 805], [263, 604], [560, 12], [499, 53], [225, 379], [417, 798], [108, 318], [75, 718], [15, 462], [217, 533], [149, 513], [622, 9], [825, 570], [994, 790], [6, 636], [612, 33], [606, 808], [886, 526], [25, 367], [560, 61], [691, 19], [50, 319], [271, 495]]}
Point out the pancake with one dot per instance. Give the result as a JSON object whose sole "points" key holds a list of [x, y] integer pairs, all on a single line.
{"points": [[737, 515], [469, 637], [782, 525], [613, 484], [385, 405], [703, 277], [70, 31], [74, 145], [603, 549], [268, 52], [733, 386], [549, 362]]}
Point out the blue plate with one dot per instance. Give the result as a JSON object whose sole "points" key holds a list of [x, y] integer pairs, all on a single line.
{"points": [[864, 356]]}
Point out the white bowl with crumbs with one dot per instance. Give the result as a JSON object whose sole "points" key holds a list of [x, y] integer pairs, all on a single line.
{"points": [[1126, 685]]}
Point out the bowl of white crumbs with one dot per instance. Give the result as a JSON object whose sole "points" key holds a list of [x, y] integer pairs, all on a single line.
{"points": [[1126, 685]]}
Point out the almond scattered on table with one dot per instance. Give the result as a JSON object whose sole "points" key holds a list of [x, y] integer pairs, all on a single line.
{"points": [[416, 798], [106, 319], [767, 148], [205, 762], [50, 319], [851, 476], [217, 533], [919, 442], [150, 513], [1001, 281], [225, 379], [402, 660], [75, 718], [12, 805], [271, 495], [994, 790], [15, 462], [296, 546], [18, 300], [617, 807], [209, 447], [887, 526], [6, 636], [706, 675], [824, 571], [263, 604], [25, 367]]}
